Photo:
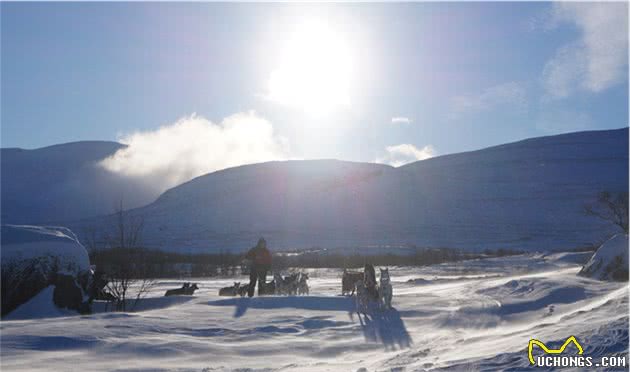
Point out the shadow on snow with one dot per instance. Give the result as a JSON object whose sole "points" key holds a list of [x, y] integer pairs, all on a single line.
{"points": [[384, 327], [295, 302]]}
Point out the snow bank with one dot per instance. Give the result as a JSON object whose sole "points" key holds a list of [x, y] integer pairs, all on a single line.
{"points": [[40, 306], [57, 245], [610, 261], [570, 257], [143, 304]]}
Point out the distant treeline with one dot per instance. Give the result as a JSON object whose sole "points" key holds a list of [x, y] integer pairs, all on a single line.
{"points": [[146, 263]]}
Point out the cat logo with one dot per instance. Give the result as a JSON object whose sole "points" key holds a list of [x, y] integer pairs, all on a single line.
{"points": [[533, 342]]}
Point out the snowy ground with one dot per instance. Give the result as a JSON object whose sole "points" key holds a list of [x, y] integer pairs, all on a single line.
{"points": [[477, 315]]}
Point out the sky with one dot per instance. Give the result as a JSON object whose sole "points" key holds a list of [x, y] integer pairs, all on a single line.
{"points": [[203, 86]]}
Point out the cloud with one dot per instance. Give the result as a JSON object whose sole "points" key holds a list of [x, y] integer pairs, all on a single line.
{"points": [[400, 120], [398, 155], [511, 94], [193, 146], [597, 60]]}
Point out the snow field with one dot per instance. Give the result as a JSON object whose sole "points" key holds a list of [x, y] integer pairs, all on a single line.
{"points": [[478, 315]]}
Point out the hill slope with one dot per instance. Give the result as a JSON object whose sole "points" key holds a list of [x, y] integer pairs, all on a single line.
{"points": [[63, 182], [525, 195]]}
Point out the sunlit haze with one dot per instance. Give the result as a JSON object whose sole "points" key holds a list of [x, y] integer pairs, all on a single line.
{"points": [[387, 83], [314, 71]]}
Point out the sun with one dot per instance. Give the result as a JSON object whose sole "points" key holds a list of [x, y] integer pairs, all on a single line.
{"points": [[314, 71]]}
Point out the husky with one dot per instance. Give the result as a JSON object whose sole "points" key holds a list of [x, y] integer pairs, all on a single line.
{"points": [[292, 283], [280, 285], [369, 280], [349, 280], [186, 289], [362, 299], [302, 285], [385, 289], [242, 290], [288, 285], [370, 295], [230, 291], [268, 289]]}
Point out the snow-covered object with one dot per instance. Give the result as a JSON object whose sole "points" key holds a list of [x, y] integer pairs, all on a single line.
{"points": [[39, 306], [610, 261], [58, 245], [34, 257]]}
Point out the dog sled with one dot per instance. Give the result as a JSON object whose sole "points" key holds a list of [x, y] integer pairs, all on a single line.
{"points": [[369, 295], [291, 285]]}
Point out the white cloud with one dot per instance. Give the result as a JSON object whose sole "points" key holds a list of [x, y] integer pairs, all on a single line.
{"points": [[400, 120], [512, 94], [595, 61], [194, 146], [398, 155]]}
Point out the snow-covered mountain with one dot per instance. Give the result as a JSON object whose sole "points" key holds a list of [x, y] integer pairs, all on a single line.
{"points": [[64, 182], [523, 195]]}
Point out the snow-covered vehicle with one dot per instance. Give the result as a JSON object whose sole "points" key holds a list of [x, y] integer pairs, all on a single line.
{"points": [[35, 257]]}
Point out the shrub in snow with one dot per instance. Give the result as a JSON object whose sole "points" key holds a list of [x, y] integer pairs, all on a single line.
{"points": [[34, 257], [68, 294], [610, 261]]}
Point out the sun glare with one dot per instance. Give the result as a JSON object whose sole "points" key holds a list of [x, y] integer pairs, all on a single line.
{"points": [[314, 71]]}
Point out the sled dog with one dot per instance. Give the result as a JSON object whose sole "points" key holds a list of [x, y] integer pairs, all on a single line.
{"points": [[186, 289], [242, 290], [362, 298], [230, 291], [385, 289], [302, 286], [288, 285], [349, 280]]}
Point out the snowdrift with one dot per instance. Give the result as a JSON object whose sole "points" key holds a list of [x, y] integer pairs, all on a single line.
{"points": [[40, 306], [610, 261], [33, 257], [479, 323]]}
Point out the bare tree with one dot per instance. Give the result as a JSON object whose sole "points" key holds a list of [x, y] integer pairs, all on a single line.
{"points": [[127, 229], [124, 273], [611, 207], [118, 284], [146, 285], [90, 240]]}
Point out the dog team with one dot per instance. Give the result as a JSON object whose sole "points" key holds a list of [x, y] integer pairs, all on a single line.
{"points": [[363, 284]]}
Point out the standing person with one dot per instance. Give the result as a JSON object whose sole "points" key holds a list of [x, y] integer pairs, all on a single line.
{"points": [[261, 263], [369, 279]]}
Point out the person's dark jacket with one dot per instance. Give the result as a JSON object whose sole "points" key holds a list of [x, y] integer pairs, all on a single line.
{"points": [[260, 256]]}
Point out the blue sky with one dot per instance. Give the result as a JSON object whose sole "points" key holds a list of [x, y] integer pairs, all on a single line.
{"points": [[457, 76]]}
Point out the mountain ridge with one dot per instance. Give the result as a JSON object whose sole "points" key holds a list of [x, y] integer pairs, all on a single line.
{"points": [[523, 195]]}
